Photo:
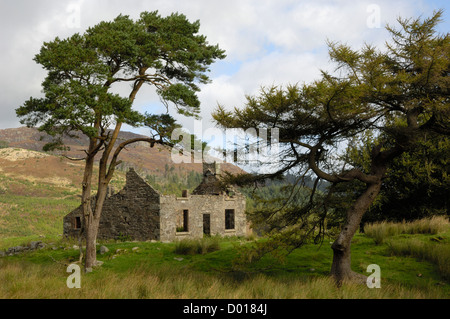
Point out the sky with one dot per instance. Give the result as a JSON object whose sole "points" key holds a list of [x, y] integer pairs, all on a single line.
{"points": [[267, 42]]}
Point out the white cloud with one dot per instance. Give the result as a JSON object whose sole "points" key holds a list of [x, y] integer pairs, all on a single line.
{"points": [[267, 42]]}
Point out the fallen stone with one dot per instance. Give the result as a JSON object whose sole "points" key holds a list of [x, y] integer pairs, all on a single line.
{"points": [[178, 258], [103, 250], [16, 250], [34, 244]]}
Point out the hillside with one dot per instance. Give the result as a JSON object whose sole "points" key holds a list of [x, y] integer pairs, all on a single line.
{"points": [[37, 189], [149, 161]]}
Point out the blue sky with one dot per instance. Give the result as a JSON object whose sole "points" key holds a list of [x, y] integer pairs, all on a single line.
{"points": [[267, 42]]}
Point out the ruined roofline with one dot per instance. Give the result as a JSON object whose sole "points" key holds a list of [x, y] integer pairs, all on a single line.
{"points": [[133, 175], [210, 184]]}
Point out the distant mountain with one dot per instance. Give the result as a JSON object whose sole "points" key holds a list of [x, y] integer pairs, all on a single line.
{"points": [[150, 161]]}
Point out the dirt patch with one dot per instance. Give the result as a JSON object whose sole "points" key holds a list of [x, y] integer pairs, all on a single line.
{"points": [[18, 154], [59, 181], [37, 168]]}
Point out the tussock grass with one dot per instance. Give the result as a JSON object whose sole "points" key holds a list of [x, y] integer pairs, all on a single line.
{"points": [[382, 230], [197, 246], [27, 280], [155, 272], [438, 254]]}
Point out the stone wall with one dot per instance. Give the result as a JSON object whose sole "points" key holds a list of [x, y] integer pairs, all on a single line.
{"points": [[138, 212], [133, 213], [198, 205]]}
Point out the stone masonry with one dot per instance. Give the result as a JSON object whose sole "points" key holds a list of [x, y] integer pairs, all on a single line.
{"points": [[139, 212], [131, 213]]}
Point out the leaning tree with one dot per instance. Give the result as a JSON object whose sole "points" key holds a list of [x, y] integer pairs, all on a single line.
{"points": [[85, 74], [416, 187], [400, 93]]}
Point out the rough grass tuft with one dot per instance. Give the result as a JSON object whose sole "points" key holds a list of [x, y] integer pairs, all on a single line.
{"points": [[438, 254], [28, 280], [382, 230], [197, 246]]}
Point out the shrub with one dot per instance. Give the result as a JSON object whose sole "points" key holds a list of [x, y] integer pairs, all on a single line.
{"points": [[123, 237]]}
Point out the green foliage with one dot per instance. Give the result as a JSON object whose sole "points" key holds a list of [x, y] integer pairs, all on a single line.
{"points": [[162, 125], [4, 144], [165, 52], [123, 237], [399, 95], [416, 186], [271, 206], [84, 70], [419, 182]]}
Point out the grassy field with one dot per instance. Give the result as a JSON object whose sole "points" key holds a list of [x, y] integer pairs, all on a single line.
{"points": [[186, 270], [413, 257]]}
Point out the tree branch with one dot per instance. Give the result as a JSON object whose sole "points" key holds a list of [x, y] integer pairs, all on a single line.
{"points": [[345, 177], [74, 159]]}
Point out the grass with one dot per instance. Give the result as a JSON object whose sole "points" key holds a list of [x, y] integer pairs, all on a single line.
{"points": [[40, 278], [382, 230], [33, 207], [438, 254], [423, 240], [37, 281], [413, 258], [197, 246], [28, 215], [163, 270]]}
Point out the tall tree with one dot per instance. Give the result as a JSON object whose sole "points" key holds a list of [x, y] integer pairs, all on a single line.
{"points": [[402, 91], [84, 74], [416, 186]]}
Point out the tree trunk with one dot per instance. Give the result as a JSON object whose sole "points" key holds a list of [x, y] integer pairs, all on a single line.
{"points": [[86, 203], [94, 216], [94, 223], [341, 266], [91, 242]]}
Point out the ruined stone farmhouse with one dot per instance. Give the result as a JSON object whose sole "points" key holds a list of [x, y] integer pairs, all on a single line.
{"points": [[139, 212]]}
